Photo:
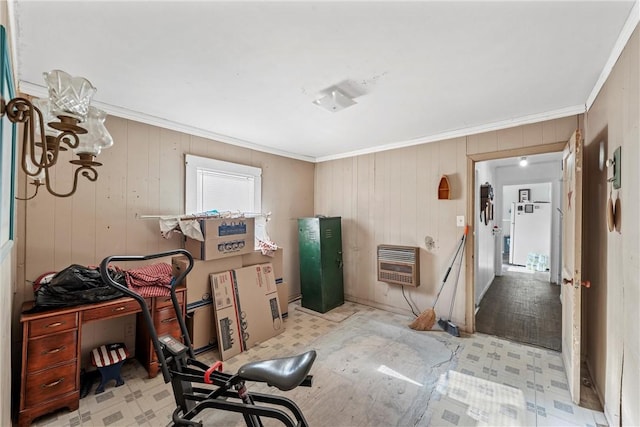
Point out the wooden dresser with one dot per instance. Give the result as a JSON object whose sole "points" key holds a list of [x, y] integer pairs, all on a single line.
{"points": [[51, 346]]}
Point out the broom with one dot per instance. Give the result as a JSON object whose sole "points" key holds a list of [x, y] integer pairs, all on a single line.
{"points": [[426, 319]]}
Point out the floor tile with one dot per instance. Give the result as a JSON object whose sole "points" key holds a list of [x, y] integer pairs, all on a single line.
{"points": [[537, 374]]}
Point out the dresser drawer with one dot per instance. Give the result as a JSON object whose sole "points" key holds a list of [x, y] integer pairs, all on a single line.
{"points": [[50, 384], [52, 350], [53, 324], [166, 301], [166, 322], [114, 310]]}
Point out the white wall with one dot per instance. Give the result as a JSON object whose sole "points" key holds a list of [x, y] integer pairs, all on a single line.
{"points": [[535, 176], [485, 239], [539, 193]]}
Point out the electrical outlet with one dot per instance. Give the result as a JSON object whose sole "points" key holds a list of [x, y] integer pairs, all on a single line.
{"points": [[460, 221]]}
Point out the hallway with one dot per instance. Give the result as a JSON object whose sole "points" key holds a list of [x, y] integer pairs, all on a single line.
{"points": [[522, 306]]}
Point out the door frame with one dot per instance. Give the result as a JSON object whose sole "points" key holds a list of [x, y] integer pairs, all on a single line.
{"points": [[472, 159]]}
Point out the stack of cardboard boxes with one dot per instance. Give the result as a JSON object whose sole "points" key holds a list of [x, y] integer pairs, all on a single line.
{"points": [[235, 298]]}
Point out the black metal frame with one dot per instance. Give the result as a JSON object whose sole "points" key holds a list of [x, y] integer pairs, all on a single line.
{"points": [[218, 390]]}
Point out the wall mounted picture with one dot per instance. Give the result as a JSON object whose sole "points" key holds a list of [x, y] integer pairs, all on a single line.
{"points": [[524, 195]]}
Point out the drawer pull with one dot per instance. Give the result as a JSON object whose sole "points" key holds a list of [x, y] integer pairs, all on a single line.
{"points": [[55, 350], [52, 384], [55, 325], [169, 320], [119, 308]]}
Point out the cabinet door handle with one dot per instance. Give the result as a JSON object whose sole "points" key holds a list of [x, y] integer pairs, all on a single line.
{"points": [[119, 308], [52, 384], [55, 325], [55, 350], [171, 319]]}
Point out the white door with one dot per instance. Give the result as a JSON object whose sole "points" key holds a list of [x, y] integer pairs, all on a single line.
{"points": [[572, 261]]}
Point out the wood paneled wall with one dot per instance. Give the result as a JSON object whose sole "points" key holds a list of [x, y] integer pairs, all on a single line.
{"points": [[612, 315], [143, 174], [390, 197]]}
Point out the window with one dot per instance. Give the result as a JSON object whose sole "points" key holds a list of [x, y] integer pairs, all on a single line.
{"points": [[223, 186]]}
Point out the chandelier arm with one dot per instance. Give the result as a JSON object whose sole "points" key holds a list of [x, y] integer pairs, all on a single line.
{"points": [[21, 110], [65, 137], [28, 147], [17, 108], [87, 171], [37, 184]]}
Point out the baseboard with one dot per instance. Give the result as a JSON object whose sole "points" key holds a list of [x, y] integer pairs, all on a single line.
{"points": [[484, 292]]}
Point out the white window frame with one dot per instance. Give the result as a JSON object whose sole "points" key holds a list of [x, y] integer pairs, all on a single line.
{"points": [[196, 165]]}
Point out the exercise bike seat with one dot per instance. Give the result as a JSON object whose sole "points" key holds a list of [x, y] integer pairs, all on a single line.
{"points": [[285, 373]]}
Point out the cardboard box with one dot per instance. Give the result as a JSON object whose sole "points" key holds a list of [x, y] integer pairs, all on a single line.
{"points": [[223, 290], [228, 332], [283, 297], [226, 314], [258, 304], [216, 228], [197, 281], [202, 328], [223, 237], [256, 257]]}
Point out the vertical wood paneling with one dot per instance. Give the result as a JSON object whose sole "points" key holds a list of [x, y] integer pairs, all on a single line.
{"points": [[63, 213], [532, 134], [407, 189], [111, 214], [82, 224], [153, 185], [398, 188], [558, 130], [143, 174], [137, 236], [482, 143], [363, 220], [510, 138], [427, 191]]}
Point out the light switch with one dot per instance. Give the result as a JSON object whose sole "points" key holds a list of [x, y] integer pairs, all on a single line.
{"points": [[460, 221]]}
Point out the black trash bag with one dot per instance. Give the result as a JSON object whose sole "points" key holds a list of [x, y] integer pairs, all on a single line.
{"points": [[76, 285]]}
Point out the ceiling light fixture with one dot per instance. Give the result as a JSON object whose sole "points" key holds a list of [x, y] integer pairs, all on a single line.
{"points": [[523, 162], [53, 125], [334, 100]]}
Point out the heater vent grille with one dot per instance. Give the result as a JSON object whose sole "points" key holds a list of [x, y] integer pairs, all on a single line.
{"points": [[399, 265]]}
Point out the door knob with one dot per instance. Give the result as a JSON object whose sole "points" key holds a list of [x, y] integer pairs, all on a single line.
{"points": [[585, 283]]}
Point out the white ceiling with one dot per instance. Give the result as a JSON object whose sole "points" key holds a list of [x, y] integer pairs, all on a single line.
{"points": [[247, 72]]}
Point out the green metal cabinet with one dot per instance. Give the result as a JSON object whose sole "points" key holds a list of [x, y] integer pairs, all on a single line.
{"points": [[320, 245]]}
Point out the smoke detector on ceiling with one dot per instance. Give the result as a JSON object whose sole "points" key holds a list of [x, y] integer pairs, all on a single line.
{"points": [[334, 100]]}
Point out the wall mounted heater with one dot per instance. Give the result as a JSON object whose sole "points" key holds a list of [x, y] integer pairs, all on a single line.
{"points": [[399, 265]]}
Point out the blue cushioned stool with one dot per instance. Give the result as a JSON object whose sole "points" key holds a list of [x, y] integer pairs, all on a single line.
{"points": [[109, 359]]}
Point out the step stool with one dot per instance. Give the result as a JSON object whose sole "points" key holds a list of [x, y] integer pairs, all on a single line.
{"points": [[108, 359]]}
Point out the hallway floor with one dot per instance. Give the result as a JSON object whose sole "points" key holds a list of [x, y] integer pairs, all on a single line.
{"points": [[524, 307], [478, 372]]}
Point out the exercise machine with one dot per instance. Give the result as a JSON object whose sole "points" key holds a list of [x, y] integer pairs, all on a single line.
{"points": [[197, 386]]}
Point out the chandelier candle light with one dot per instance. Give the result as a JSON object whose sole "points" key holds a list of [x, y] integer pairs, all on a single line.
{"points": [[63, 121]]}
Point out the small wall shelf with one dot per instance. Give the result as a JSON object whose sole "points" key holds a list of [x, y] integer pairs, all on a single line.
{"points": [[444, 188]]}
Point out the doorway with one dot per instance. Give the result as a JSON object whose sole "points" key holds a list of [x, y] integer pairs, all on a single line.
{"points": [[517, 248]]}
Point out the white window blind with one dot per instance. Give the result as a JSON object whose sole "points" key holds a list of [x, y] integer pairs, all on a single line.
{"points": [[223, 186]]}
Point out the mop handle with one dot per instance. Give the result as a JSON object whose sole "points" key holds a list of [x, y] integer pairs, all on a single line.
{"points": [[453, 260], [455, 290]]}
